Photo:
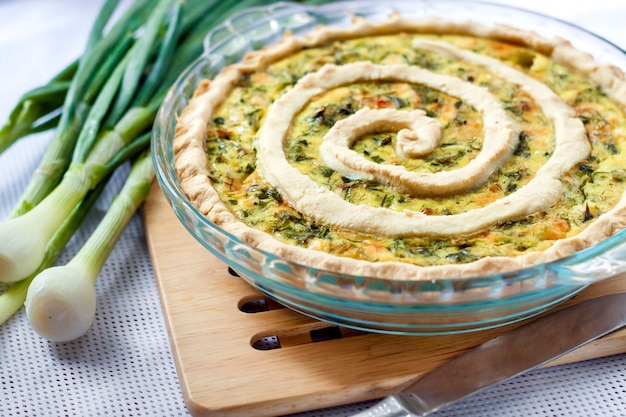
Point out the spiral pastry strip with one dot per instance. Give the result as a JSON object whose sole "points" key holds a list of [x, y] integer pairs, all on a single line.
{"points": [[500, 141]]}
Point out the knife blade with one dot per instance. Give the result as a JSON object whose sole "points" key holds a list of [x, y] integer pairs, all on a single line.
{"points": [[517, 351]]}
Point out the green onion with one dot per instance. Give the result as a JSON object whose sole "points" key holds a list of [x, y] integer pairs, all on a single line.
{"points": [[38, 109], [33, 113], [61, 300], [13, 298], [91, 127], [164, 57], [23, 238], [139, 55], [58, 154]]}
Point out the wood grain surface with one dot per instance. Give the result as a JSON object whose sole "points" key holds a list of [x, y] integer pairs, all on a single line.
{"points": [[223, 374]]}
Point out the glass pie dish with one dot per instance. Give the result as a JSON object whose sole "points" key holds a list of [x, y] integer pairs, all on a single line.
{"points": [[399, 306]]}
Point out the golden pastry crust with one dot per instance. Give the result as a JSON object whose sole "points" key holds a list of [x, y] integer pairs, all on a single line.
{"points": [[417, 136]]}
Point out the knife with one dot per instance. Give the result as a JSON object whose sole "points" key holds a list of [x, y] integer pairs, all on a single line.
{"points": [[506, 356]]}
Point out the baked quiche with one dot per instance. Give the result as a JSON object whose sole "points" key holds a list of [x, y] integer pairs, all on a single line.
{"points": [[410, 148]]}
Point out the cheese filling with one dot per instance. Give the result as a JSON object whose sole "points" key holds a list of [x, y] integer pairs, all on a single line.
{"points": [[422, 149]]}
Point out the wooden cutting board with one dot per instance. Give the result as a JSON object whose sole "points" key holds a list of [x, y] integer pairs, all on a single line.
{"points": [[238, 354]]}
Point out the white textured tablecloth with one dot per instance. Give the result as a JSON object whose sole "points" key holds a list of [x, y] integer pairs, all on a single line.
{"points": [[124, 365]]}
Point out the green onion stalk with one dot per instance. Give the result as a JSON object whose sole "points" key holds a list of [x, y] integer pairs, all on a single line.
{"points": [[13, 298], [37, 110], [61, 300], [57, 156], [23, 238]]}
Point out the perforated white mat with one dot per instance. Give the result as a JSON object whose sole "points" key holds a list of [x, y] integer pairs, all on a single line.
{"points": [[124, 365]]}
